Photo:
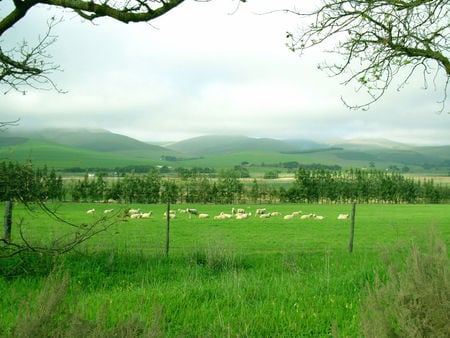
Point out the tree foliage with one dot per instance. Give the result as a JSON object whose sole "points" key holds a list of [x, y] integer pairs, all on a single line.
{"points": [[378, 40]]}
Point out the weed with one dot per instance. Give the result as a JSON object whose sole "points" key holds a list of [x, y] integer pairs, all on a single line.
{"points": [[415, 300]]}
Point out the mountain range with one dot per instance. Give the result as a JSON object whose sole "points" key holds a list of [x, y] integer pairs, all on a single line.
{"points": [[81, 146]]}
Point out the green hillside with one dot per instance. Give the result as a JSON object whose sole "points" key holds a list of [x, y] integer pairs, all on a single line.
{"points": [[60, 156], [92, 139], [228, 144], [83, 148]]}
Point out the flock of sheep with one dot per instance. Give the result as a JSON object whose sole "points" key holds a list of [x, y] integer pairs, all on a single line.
{"points": [[235, 213]]}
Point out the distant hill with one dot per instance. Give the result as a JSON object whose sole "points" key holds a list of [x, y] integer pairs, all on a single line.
{"points": [[92, 139], [228, 144], [87, 148]]}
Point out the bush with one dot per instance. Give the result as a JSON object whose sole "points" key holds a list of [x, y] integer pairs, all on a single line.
{"points": [[415, 300]]}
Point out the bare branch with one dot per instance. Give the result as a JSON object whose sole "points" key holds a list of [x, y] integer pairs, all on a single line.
{"points": [[27, 66], [378, 39]]}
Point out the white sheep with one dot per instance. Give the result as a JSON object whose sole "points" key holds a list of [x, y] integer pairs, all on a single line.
{"points": [[147, 214], [291, 216], [224, 215], [306, 216], [192, 211], [107, 211], [319, 217], [264, 216], [203, 216], [90, 211], [343, 216], [134, 216], [243, 216], [275, 213], [261, 211], [134, 211]]}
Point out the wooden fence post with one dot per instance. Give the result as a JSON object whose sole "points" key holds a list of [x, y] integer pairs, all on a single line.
{"points": [[7, 221], [352, 228], [168, 227]]}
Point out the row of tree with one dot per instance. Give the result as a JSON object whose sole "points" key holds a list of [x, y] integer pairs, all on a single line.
{"points": [[24, 182]]}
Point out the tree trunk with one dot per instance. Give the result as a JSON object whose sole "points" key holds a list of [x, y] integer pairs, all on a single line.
{"points": [[7, 221]]}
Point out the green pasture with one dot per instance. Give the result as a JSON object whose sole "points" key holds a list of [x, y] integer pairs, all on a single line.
{"points": [[252, 277]]}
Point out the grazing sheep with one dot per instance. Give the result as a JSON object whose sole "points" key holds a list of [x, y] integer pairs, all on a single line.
{"points": [[134, 216], [343, 216], [306, 216], [90, 211], [296, 213], [275, 213], [291, 216], [224, 215], [134, 211], [192, 211], [243, 216], [261, 211], [147, 214], [319, 217], [107, 211], [203, 216], [264, 216]]}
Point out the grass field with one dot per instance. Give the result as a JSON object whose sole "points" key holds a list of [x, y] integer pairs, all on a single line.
{"points": [[222, 278]]}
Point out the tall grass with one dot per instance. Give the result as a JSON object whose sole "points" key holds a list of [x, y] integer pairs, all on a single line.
{"points": [[414, 301]]}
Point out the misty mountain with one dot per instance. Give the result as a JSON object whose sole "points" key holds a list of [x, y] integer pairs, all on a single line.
{"points": [[227, 144], [91, 139]]}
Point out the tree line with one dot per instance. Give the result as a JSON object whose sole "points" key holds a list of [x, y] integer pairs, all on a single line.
{"points": [[26, 183]]}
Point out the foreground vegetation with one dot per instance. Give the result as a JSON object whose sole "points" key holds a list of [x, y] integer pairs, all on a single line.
{"points": [[255, 277]]}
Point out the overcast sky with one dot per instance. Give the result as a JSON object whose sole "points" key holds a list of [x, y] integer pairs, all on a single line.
{"points": [[205, 68]]}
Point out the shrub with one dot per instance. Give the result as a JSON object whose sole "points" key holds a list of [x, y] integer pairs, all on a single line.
{"points": [[415, 299]]}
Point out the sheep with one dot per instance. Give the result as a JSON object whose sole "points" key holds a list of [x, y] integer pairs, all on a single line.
{"points": [[275, 213], [192, 211], [343, 216], [171, 212], [203, 216], [319, 217], [264, 216], [291, 216], [241, 211], [134, 216], [306, 216], [243, 216], [296, 213], [134, 211], [261, 211], [107, 211], [90, 211], [147, 214], [224, 215]]}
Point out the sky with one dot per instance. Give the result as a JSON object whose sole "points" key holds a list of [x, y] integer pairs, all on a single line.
{"points": [[206, 68]]}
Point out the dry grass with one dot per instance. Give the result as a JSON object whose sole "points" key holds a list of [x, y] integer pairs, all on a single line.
{"points": [[415, 299]]}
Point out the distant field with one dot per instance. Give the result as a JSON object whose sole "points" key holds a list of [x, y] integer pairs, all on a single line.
{"points": [[255, 277]]}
